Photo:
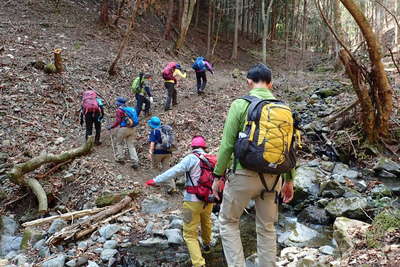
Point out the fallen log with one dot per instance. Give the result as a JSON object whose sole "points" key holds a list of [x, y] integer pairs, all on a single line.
{"points": [[342, 112], [65, 216], [16, 174], [81, 229]]}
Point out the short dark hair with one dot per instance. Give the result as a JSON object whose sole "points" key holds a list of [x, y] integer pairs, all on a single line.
{"points": [[259, 73]]}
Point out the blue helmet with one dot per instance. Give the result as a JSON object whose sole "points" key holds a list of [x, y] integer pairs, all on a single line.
{"points": [[120, 101], [154, 122], [178, 66]]}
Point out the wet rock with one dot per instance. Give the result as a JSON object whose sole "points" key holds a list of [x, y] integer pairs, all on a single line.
{"points": [[9, 226], [342, 170], [344, 230], [110, 244], [56, 226], [174, 236], [314, 215], [154, 205], [108, 230], [331, 189], [107, 254], [9, 243], [154, 242], [44, 252], [305, 182], [55, 262], [92, 264], [387, 165], [327, 250], [347, 207], [302, 234], [380, 191]]}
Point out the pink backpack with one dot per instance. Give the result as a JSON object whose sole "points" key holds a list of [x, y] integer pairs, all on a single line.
{"points": [[89, 102], [168, 72]]}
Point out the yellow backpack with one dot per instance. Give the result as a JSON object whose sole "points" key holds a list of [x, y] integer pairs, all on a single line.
{"points": [[266, 143]]}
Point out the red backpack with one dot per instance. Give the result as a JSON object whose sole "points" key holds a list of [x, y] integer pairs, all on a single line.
{"points": [[168, 72], [203, 190], [89, 102]]}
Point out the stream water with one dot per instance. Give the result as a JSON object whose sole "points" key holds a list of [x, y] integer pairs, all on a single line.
{"points": [[178, 256]]}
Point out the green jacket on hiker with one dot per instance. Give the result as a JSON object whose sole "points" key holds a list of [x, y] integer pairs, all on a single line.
{"points": [[234, 124]]}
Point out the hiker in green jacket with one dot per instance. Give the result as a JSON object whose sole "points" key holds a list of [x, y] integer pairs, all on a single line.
{"points": [[246, 184], [142, 91]]}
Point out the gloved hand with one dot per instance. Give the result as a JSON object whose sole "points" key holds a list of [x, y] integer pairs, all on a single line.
{"points": [[151, 99], [150, 182]]}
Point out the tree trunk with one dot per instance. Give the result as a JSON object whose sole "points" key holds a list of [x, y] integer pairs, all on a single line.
{"points": [[304, 29], [236, 34], [209, 27], [265, 22], [337, 19], [124, 41], [397, 41], [104, 12], [58, 60], [187, 14], [196, 24], [168, 24], [119, 12], [379, 77]]}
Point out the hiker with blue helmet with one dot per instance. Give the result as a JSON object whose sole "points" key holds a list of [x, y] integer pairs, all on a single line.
{"points": [[171, 73], [200, 66], [159, 154], [142, 93], [125, 119]]}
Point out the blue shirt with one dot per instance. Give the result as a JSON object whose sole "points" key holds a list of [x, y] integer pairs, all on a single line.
{"points": [[155, 136]]}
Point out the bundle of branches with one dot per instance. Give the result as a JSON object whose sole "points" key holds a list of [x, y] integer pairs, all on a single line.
{"points": [[17, 173]]}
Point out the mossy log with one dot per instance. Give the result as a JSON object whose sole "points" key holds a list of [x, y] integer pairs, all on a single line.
{"points": [[112, 198], [16, 174]]}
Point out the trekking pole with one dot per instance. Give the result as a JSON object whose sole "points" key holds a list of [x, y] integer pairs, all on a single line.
{"points": [[112, 143]]}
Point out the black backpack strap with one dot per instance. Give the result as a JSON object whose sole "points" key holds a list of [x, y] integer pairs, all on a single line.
{"points": [[254, 102], [266, 189]]}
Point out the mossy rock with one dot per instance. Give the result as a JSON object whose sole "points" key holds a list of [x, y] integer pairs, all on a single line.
{"points": [[30, 236], [326, 92], [112, 198], [50, 68], [384, 222]]}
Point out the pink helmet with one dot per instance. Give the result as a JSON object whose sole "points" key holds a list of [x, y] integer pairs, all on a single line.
{"points": [[199, 141]]}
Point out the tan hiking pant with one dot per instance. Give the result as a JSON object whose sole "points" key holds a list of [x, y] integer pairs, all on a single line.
{"points": [[240, 189], [128, 135], [161, 164]]}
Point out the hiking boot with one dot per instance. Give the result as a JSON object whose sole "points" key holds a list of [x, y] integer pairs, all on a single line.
{"points": [[97, 143], [206, 249], [135, 165]]}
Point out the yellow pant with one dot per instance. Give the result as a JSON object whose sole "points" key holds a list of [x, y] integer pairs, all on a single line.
{"points": [[195, 215]]}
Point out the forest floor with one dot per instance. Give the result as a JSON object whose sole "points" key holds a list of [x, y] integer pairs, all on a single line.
{"points": [[40, 112]]}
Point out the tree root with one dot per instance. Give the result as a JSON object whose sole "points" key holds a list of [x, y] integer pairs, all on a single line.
{"points": [[16, 174]]}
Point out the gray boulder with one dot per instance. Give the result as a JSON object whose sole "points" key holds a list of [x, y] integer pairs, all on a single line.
{"points": [[314, 215], [107, 254], [331, 189], [302, 234], [380, 191], [55, 262], [174, 236], [56, 226], [305, 182], [9, 243], [154, 242], [387, 165], [176, 224], [110, 244], [343, 170], [108, 230], [9, 226], [344, 230], [347, 207], [154, 205]]}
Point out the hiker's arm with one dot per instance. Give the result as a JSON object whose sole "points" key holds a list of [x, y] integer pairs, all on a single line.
{"points": [[118, 119], [179, 169], [231, 131], [101, 112], [148, 91], [81, 115], [179, 73], [209, 67], [289, 176]]}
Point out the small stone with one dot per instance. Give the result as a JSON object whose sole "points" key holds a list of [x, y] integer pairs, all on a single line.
{"points": [[59, 140], [83, 245], [55, 262], [44, 252], [98, 250], [154, 205], [176, 224], [101, 239], [6, 143], [21, 260], [11, 255], [154, 242], [38, 245], [9, 243], [107, 254], [327, 250], [92, 264], [56, 226], [291, 250], [110, 244], [108, 230], [149, 228], [386, 174], [174, 236], [9, 225], [71, 263], [82, 260]]}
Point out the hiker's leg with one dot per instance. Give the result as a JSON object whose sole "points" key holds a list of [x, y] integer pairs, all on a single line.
{"points": [[139, 103], [206, 224], [89, 124], [191, 221], [198, 78], [130, 140], [204, 82], [146, 105], [169, 88], [174, 95], [237, 194], [266, 216], [165, 159], [120, 143], [156, 160], [97, 126]]}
